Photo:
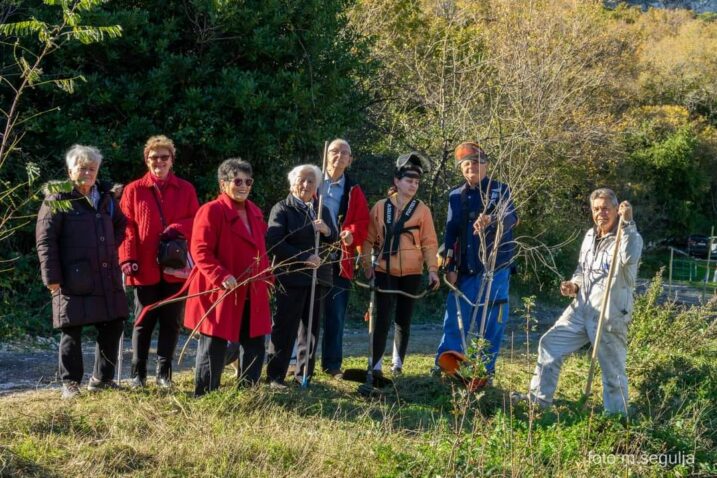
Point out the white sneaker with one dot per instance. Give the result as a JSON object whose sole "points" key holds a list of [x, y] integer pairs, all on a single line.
{"points": [[274, 385]]}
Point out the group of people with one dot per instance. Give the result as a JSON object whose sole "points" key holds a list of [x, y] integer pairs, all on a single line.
{"points": [[305, 256]]}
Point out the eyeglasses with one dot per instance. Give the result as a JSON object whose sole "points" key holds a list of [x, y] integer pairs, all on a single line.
{"points": [[160, 157], [238, 182]]}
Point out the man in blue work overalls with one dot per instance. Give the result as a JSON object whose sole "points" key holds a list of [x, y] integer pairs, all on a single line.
{"points": [[478, 211]]}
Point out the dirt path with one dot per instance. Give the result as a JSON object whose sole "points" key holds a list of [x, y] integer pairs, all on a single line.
{"points": [[23, 368]]}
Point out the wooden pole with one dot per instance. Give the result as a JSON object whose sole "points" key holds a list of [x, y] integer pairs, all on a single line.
{"points": [[603, 307], [317, 236]]}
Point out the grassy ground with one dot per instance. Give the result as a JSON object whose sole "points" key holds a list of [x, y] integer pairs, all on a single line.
{"points": [[424, 426]]}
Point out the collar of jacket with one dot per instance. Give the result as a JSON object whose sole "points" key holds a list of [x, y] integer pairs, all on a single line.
{"points": [[103, 187], [253, 214], [483, 184], [147, 181], [252, 210], [294, 202], [596, 233], [349, 184]]}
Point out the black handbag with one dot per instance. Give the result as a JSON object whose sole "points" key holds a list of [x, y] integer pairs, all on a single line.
{"points": [[171, 252]]}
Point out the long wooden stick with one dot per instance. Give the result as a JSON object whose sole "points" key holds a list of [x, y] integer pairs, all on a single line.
{"points": [[314, 273], [603, 308]]}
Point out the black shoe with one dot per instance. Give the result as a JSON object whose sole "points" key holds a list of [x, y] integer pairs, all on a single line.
{"points": [[396, 371], [137, 382], [164, 382], [164, 373], [336, 373], [70, 390], [96, 385]]}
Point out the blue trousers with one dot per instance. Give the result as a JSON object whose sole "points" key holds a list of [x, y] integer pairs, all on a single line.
{"points": [[335, 305], [496, 318]]}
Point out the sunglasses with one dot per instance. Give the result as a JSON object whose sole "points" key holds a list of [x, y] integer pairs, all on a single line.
{"points": [[238, 182], [160, 157]]}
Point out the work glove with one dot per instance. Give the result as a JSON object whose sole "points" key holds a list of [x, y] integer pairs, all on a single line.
{"points": [[129, 268]]}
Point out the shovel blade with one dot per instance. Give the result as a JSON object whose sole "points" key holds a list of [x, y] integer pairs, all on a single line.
{"points": [[450, 362]]}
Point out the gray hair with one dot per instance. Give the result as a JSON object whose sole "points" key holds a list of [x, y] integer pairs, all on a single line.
{"points": [[78, 155], [294, 173], [229, 169], [604, 193], [341, 141]]}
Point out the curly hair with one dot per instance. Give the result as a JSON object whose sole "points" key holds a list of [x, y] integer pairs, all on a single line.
{"points": [[229, 169], [294, 173]]}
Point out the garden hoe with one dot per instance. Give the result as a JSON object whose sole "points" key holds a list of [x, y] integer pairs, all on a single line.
{"points": [[451, 361], [367, 388], [368, 377], [370, 383]]}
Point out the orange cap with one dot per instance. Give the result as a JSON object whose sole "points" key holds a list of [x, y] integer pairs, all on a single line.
{"points": [[469, 151]]}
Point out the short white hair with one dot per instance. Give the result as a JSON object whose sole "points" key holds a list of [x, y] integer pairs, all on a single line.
{"points": [[79, 154], [341, 142], [294, 173]]}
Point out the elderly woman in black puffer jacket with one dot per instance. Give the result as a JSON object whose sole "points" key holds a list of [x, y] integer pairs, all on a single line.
{"points": [[290, 239], [79, 265]]}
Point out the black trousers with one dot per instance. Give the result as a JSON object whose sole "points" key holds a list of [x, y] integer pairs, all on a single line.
{"points": [[106, 349], [168, 317], [211, 358], [290, 325], [385, 306]]}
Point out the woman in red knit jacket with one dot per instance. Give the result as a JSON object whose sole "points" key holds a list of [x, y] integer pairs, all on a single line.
{"points": [[146, 225]]}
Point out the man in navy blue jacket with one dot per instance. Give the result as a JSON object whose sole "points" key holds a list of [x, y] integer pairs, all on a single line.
{"points": [[479, 246]]}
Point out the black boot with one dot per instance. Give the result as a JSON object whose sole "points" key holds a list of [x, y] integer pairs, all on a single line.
{"points": [[164, 373], [139, 374]]}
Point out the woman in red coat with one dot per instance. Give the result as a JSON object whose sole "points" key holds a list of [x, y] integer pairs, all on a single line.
{"points": [[229, 252], [159, 205]]}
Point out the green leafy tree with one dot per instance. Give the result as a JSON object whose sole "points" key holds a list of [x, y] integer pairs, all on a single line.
{"points": [[265, 80], [26, 48], [670, 169], [30, 35]]}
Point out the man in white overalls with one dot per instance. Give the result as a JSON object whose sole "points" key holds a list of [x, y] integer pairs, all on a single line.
{"points": [[578, 324]]}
